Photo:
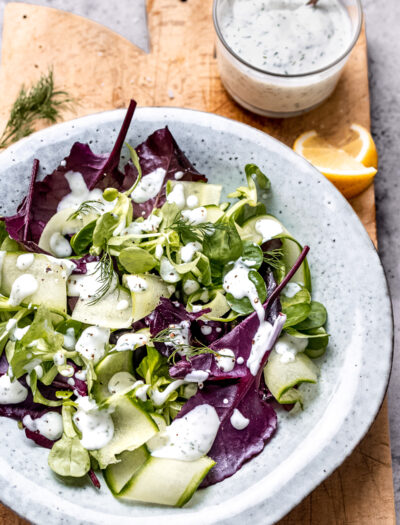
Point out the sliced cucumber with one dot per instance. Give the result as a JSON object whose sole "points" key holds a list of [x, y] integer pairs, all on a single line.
{"points": [[132, 428], [205, 193], [280, 376], [108, 366], [219, 305], [290, 247], [166, 481], [144, 302], [50, 276], [106, 312], [213, 213], [117, 475], [59, 224]]}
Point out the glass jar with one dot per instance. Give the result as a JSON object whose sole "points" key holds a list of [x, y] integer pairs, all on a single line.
{"points": [[276, 94]]}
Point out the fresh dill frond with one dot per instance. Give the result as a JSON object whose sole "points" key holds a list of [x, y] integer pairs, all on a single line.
{"points": [[106, 269], [85, 208], [41, 101], [167, 337], [273, 258], [189, 232]]}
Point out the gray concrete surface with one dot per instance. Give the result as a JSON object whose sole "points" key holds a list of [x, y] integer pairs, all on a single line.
{"points": [[383, 27], [383, 22]]}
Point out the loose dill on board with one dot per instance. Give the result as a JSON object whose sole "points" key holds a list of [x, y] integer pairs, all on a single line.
{"points": [[42, 101]]}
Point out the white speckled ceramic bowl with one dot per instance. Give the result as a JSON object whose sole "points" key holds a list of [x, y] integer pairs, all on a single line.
{"points": [[347, 277]]}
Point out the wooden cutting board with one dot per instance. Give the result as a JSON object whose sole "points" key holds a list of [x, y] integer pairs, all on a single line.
{"points": [[102, 70]]}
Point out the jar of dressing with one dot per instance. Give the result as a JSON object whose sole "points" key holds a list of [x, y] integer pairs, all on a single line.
{"points": [[281, 58]]}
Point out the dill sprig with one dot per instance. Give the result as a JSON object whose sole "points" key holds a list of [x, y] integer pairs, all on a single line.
{"points": [[106, 269], [85, 208], [273, 258], [41, 101], [169, 334], [189, 232]]}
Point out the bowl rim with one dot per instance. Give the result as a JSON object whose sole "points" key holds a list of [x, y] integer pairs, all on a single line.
{"points": [[23, 504]]}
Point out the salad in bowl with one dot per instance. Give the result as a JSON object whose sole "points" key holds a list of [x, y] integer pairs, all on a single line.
{"points": [[149, 331]]}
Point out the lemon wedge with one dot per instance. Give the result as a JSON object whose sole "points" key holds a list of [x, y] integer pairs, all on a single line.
{"points": [[342, 166], [362, 147]]}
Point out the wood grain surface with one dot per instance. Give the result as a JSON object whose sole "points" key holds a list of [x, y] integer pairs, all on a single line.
{"points": [[103, 71]]}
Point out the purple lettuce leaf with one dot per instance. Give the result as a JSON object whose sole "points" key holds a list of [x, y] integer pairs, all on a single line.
{"points": [[39, 439], [98, 171], [242, 390], [166, 313], [207, 332], [239, 340], [243, 394], [94, 479], [232, 447], [160, 150], [81, 267]]}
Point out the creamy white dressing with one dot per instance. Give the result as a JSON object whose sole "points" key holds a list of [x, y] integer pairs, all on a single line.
{"points": [[149, 186], [149, 225], [159, 398], [92, 343], [268, 228], [240, 360], [179, 336], [177, 196], [190, 286], [86, 286], [192, 201], [59, 358], [288, 346], [80, 193], [159, 251], [122, 305], [69, 339], [195, 216], [67, 265], [135, 283], [178, 175], [291, 289], [190, 437], [24, 261], [238, 421], [11, 391], [131, 341], [261, 342], [287, 36], [59, 245], [225, 359], [237, 283], [81, 375], [206, 330], [67, 371], [168, 272], [141, 392], [50, 425], [196, 376], [188, 251], [96, 426], [197, 307], [23, 286], [121, 382], [15, 333]]}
